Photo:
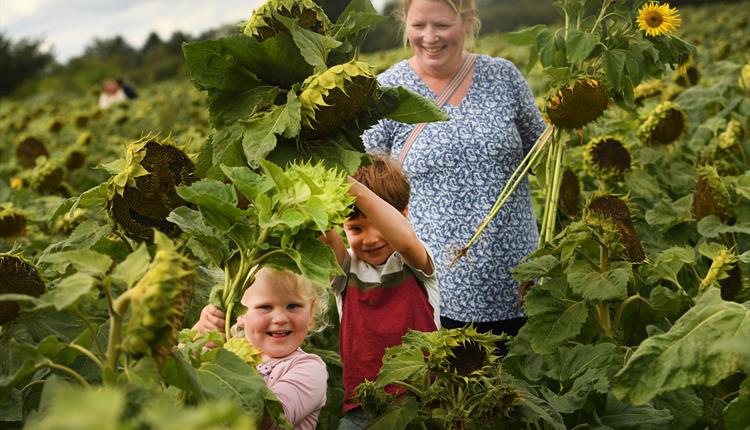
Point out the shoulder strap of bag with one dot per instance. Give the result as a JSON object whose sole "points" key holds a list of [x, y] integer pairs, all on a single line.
{"points": [[458, 78]]}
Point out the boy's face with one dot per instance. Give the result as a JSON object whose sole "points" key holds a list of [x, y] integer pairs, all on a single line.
{"points": [[366, 241], [277, 318]]}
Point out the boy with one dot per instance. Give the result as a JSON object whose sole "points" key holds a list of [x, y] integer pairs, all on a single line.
{"points": [[390, 283]]}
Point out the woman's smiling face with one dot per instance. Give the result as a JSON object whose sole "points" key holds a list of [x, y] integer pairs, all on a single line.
{"points": [[436, 35], [277, 318]]}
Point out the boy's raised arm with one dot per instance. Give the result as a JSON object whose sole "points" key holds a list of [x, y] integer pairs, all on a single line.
{"points": [[333, 240], [393, 225]]}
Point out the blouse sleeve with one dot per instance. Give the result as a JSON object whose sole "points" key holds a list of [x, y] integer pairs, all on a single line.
{"points": [[302, 389], [528, 118], [378, 138]]}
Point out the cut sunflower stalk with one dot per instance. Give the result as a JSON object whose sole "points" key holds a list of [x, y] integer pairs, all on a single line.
{"points": [[515, 179]]}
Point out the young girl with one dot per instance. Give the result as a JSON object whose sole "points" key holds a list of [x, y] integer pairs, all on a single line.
{"points": [[281, 308]]}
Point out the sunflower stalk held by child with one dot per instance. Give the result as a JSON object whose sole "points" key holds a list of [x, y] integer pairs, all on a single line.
{"points": [[278, 226], [600, 55]]}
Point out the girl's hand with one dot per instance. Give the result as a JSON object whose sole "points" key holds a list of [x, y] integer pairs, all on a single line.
{"points": [[212, 318]]}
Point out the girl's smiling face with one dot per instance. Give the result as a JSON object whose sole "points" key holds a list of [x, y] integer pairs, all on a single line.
{"points": [[436, 35], [277, 318]]}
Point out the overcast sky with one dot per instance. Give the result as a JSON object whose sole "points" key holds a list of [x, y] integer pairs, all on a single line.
{"points": [[68, 26]]}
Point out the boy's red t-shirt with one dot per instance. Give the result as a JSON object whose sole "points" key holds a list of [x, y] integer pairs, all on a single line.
{"points": [[375, 317]]}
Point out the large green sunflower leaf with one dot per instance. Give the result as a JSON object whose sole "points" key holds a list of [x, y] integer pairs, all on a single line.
{"points": [[552, 320], [737, 412], [314, 47], [234, 62], [229, 377], [226, 107], [397, 418], [259, 137], [619, 415], [579, 44], [594, 285], [695, 351], [413, 108]]}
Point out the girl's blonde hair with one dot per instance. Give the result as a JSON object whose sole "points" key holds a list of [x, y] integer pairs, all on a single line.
{"points": [[314, 293], [463, 8]]}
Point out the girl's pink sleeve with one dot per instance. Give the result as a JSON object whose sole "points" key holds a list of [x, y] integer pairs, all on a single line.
{"points": [[301, 389]]}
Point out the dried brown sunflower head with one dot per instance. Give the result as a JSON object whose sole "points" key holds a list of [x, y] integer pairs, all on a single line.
{"points": [[47, 177], [663, 125], [711, 196], [17, 276], [648, 89], [577, 103], [12, 222], [336, 97], [570, 194], [28, 149], [262, 24], [158, 304], [144, 193], [606, 156], [613, 209]]}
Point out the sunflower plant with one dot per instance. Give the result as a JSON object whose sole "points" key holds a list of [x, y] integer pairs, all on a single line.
{"points": [[289, 87], [277, 224], [450, 379], [602, 52]]}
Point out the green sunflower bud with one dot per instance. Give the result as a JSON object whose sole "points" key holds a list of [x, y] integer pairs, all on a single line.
{"points": [[711, 196], [663, 125], [262, 24], [17, 276], [158, 303], [732, 135], [744, 80], [336, 97], [719, 270], [577, 103]]}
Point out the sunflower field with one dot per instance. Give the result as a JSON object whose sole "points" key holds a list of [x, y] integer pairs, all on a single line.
{"points": [[118, 225]]}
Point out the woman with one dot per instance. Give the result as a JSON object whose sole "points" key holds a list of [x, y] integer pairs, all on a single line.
{"points": [[457, 168]]}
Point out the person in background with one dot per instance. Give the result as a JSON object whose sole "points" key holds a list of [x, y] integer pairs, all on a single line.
{"points": [[282, 307], [389, 286], [112, 93], [129, 91], [458, 167]]}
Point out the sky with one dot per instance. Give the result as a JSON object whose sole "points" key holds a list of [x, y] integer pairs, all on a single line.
{"points": [[67, 27]]}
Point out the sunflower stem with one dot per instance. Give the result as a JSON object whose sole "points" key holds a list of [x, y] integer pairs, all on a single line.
{"points": [[90, 328], [87, 353], [531, 157], [75, 375], [547, 194], [555, 191]]}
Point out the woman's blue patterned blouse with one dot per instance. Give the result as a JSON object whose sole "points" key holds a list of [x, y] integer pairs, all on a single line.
{"points": [[456, 170]]}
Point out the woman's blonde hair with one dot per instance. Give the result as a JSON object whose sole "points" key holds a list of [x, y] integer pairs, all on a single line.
{"points": [[312, 292], [463, 8]]}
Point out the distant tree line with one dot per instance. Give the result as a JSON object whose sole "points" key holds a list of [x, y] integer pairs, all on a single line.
{"points": [[25, 69]]}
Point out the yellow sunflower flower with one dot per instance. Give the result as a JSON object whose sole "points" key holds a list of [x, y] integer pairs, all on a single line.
{"points": [[656, 19]]}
